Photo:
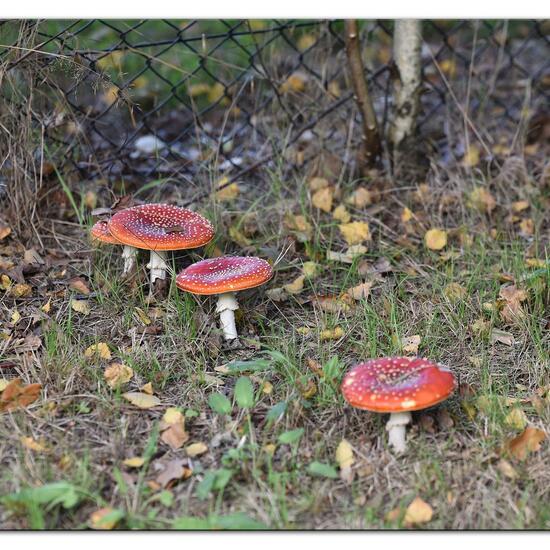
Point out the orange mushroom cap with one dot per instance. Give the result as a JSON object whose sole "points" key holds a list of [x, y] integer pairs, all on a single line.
{"points": [[224, 274], [100, 232], [397, 384], [160, 227]]}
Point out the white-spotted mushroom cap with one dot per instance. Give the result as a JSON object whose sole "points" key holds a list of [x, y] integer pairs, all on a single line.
{"points": [[100, 232], [160, 227], [224, 274], [397, 384]]}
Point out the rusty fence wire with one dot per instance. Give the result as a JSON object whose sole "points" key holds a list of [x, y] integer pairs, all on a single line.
{"points": [[190, 100]]}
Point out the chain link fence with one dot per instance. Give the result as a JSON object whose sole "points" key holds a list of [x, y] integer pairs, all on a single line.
{"points": [[195, 101]]}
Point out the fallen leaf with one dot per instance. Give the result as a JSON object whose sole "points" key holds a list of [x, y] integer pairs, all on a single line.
{"points": [[20, 290], [196, 449], [105, 519], [516, 419], [435, 239], [520, 206], [46, 308], [310, 269], [406, 215], [79, 284], [300, 225], [418, 511], [528, 441], [393, 515], [360, 198], [506, 469], [355, 232], [170, 471], [471, 157], [134, 462], [147, 388], [361, 291], [410, 344], [333, 304], [173, 426], [31, 256], [100, 350], [5, 231], [16, 395], [34, 445], [315, 184], [322, 199], [142, 400], [527, 227], [81, 306], [455, 292], [3, 384], [117, 374], [142, 316], [481, 199], [341, 214], [295, 286], [228, 193], [345, 459], [512, 298], [296, 82], [348, 257], [331, 334], [15, 317]]}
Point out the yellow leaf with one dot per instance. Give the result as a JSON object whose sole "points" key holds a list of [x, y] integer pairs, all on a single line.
{"points": [[295, 286], [482, 200], [455, 292], [526, 227], [471, 157], [535, 262], [505, 468], [142, 316], [90, 199], [196, 449], [435, 239], [299, 224], [360, 292], [315, 184], [410, 344], [217, 93], [341, 214], [322, 199], [142, 400], [516, 419], [296, 82], [117, 374], [418, 511], [3, 384], [147, 388], [406, 215], [528, 441], [134, 462], [229, 193], [306, 41], [100, 350], [33, 445], [520, 206], [81, 306], [331, 334], [448, 66], [355, 232], [20, 290], [349, 256], [267, 387], [104, 519], [344, 454], [46, 308], [5, 282], [196, 90], [15, 317], [360, 198], [173, 426], [172, 416], [310, 269]]}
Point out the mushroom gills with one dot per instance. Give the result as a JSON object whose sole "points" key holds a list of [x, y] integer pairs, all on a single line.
{"points": [[226, 306], [397, 431], [129, 253], [157, 264]]}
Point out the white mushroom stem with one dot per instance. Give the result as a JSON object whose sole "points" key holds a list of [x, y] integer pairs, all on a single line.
{"points": [[129, 253], [396, 430], [157, 264], [227, 305]]}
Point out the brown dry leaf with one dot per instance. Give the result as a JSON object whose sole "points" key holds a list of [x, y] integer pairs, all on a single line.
{"points": [[79, 284], [506, 469], [516, 419], [31, 256], [435, 239], [527, 227], [393, 515], [315, 184], [480, 199], [228, 193], [418, 512], [101, 350], [173, 426], [171, 471], [296, 286], [322, 199], [471, 156], [81, 306], [16, 395], [512, 296], [117, 374], [360, 292], [5, 231], [410, 344], [345, 459], [535, 263], [331, 334], [341, 214], [520, 206], [528, 441], [142, 316], [333, 304], [147, 388], [455, 292], [142, 400], [355, 232], [134, 462], [349, 256], [300, 225], [360, 198], [34, 445], [20, 290], [307, 390], [196, 449], [296, 82], [46, 308], [100, 519]]}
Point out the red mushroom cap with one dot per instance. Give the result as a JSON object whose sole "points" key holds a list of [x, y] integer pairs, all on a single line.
{"points": [[224, 274], [396, 384], [160, 227], [100, 232]]}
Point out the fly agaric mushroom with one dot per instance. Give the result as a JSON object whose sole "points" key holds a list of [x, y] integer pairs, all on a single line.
{"points": [[397, 385], [159, 228], [100, 232], [225, 276]]}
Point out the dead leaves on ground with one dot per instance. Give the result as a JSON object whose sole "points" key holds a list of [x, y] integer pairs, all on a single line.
{"points": [[117, 374], [142, 400], [15, 395], [173, 429], [527, 442]]}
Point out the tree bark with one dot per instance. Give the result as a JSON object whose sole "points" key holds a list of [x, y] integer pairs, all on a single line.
{"points": [[407, 40], [371, 147]]}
